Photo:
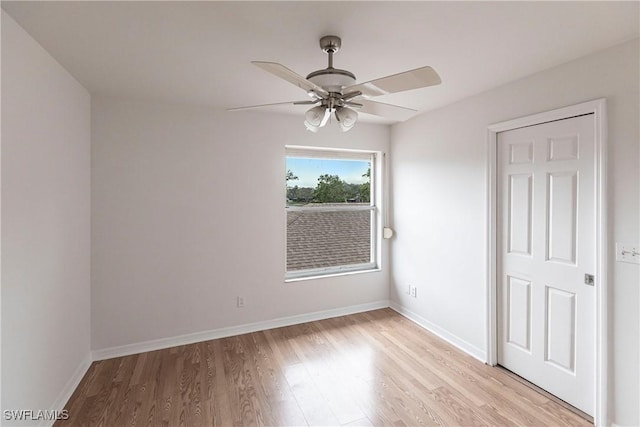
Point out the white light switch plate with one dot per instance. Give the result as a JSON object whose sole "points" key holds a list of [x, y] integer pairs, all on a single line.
{"points": [[628, 252]]}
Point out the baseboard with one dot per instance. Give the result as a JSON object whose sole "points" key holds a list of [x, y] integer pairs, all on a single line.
{"points": [[442, 333], [69, 388], [162, 343]]}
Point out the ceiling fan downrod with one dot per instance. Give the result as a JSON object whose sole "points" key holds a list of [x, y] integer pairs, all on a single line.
{"points": [[331, 79], [330, 45]]}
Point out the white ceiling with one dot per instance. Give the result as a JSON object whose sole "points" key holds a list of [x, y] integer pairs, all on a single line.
{"points": [[200, 52]]}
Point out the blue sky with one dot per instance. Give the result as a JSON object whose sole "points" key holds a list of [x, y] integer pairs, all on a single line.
{"points": [[308, 170]]}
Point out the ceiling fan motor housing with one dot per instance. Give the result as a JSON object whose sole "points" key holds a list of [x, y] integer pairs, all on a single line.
{"points": [[332, 79]]}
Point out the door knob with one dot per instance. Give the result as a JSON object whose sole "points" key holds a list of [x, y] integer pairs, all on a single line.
{"points": [[589, 279]]}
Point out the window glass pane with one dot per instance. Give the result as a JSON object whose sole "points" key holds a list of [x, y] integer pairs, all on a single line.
{"points": [[312, 180], [324, 239]]}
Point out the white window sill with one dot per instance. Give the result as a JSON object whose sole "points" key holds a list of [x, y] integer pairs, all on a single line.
{"points": [[332, 274]]}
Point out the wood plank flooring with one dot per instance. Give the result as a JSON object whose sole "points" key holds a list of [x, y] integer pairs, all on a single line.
{"points": [[374, 368]]}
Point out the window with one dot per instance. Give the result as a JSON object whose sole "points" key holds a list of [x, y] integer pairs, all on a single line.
{"points": [[332, 216]]}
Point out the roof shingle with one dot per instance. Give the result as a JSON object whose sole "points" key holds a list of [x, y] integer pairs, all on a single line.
{"points": [[327, 239]]}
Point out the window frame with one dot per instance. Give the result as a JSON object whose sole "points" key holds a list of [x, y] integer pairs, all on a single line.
{"points": [[374, 157]]}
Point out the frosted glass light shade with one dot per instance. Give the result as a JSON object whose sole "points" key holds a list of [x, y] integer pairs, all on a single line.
{"points": [[346, 117]]}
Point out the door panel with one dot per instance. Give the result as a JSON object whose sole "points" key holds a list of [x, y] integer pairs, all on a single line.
{"points": [[521, 153], [546, 244], [563, 148], [561, 323], [520, 214], [562, 196], [519, 307]]}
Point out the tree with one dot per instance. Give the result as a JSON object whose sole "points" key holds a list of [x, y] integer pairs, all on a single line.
{"points": [[300, 194], [352, 192], [330, 189], [365, 188], [291, 176], [365, 192]]}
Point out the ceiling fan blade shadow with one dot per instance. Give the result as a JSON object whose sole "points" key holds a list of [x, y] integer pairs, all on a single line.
{"points": [[284, 73], [414, 79], [389, 111]]}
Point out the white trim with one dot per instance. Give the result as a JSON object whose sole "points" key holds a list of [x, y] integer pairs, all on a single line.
{"points": [[327, 153], [598, 108], [346, 207], [491, 338], [461, 344], [69, 388], [162, 343], [321, 273]]}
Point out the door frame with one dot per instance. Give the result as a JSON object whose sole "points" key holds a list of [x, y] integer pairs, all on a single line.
{"points": [[598, 108]]}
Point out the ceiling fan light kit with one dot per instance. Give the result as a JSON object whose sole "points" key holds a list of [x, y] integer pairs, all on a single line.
{"points": [[334, 91], [346, 117], [316, 117]]}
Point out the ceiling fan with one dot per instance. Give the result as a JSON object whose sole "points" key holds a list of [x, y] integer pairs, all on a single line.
{"points": [[335, 91]]}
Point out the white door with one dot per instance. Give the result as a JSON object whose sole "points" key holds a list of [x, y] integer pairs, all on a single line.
{"points": [[546, 246]]}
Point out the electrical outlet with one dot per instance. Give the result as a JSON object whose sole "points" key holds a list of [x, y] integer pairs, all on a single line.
{"points": [[413, 291], [239, 302], [626, 252]]}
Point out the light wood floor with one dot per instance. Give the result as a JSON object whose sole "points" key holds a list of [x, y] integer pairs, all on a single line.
{"points": [[374, 368]]}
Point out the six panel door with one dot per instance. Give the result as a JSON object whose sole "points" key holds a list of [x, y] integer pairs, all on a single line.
{"points": [[546, 246]]}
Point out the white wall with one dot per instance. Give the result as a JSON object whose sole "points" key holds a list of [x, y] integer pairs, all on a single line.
{"points": [[188, 213], [45, 225], [439, 204]]}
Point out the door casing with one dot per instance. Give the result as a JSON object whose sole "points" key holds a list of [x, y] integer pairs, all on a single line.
{"points": [[598, 108]]}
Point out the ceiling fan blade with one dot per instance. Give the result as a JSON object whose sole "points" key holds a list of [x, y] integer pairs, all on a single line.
{"points": [[263, 105], [414, 79], [284, 73], [316, 102], [389, 111]]}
